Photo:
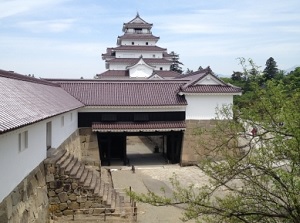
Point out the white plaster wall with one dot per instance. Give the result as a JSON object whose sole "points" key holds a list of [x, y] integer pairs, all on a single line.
{"points": [[138, 42], [164, 66], [61, 133], [16, 165], [140, 71], [138, 54], [203, 107]]}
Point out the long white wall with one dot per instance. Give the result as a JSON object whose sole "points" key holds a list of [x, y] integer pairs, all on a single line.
{"points": [[203, 107], [138, 54], [139, 42], [15, 165]]}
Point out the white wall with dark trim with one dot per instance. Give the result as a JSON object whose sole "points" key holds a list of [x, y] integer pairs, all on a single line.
{"points": [[15, 165]]}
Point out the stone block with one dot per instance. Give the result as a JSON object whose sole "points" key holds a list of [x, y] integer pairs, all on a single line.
{"points": [[73, 197], [63, 206], [54, 200], [73, 205], [82, 198], [3, 212], [98, 211], [88, 204], [41, 197], [67, 187], [63, 197], [16, 197], [40, 178], [74, 186], [68, 212], [51, 193], [59, 190]]}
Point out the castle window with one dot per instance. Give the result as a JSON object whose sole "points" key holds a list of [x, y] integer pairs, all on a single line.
{"points": [[161, 68], [132, 43], [147, 43], [23, 141], [62, 121]]}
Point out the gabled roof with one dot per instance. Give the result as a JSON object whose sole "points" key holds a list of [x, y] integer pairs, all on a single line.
{"points": [[124, 93], [197, 84], [140, 62], [165, 74], [25, 100], [137, 22]]}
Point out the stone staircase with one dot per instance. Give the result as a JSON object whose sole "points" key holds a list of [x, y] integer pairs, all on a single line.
{"points": [[77, 189]]}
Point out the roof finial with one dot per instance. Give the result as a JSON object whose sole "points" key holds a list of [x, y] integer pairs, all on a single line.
{"points": [[137, 14]]}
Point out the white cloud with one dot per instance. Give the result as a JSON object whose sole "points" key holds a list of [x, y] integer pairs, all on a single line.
{"points": [[13, 7], [47, 25]]}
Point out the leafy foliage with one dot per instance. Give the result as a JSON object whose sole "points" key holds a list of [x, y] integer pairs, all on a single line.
{"points": [[253, 177]]}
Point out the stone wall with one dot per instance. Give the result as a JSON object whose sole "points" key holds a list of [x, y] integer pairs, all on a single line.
{"points": [[89, 147], [28, 202], [192, 150], [73, 145]]}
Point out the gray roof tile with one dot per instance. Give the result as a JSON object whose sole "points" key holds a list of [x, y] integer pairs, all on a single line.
{"points": [[125, 93], [138, 126], [25, 100]]}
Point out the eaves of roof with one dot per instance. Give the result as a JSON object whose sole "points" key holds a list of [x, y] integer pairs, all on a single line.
{"points": [[139, 126]]}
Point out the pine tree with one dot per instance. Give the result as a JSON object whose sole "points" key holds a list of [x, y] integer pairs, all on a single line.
{"points": [[271, 69]]}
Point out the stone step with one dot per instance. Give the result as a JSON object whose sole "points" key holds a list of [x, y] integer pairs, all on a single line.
{"points": [[66, 162], [113, 199], [79, 172], [102, 188], [94, 180], [88, 180], [109, 195], [105, 192], [71, 166], [55, 155], [76, 169], [97, 188], [83, 176], [62, 159]]}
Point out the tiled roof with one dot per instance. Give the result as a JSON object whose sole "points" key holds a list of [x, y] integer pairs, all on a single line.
{"points": [[25, 100], [139, 48], [167, 73], [138, 36], [114, 73], [138, 126], [132, 61], [191, 87], [208, 89], [125, 92]]}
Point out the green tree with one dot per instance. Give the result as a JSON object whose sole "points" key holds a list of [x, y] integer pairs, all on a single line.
{"points": [[292, 80], [175, 66], [253, 178], [271, 69]]}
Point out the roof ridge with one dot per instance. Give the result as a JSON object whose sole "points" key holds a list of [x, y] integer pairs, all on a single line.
{"points": [[21, 77]]}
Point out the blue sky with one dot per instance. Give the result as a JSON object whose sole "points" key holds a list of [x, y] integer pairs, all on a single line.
{"points": [[65, 38]]}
